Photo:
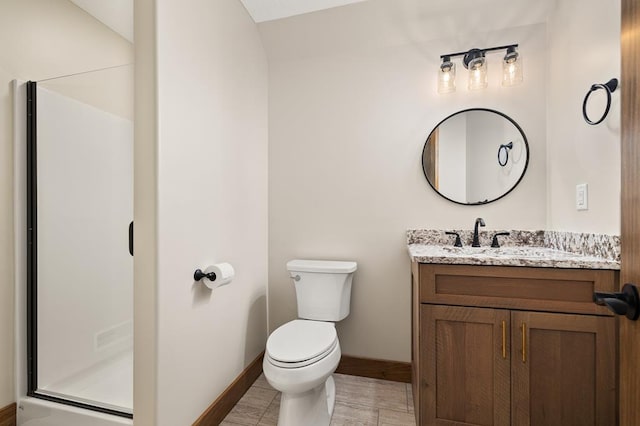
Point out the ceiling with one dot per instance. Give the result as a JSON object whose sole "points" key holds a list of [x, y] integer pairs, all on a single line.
{"points": [[115, 14], [269, 10], [118, 14]]}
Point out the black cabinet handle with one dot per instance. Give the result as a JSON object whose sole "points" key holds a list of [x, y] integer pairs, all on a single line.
{"points": [[624, 303], [458, 243], [131, 238], [494, 242]]}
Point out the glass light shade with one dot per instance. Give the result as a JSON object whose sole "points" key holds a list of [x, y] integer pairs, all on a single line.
{"points": [[478, 74], [447, 77], [512, 70]]}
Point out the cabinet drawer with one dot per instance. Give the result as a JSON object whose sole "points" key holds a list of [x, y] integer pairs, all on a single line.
{"points": [[539, 289]]}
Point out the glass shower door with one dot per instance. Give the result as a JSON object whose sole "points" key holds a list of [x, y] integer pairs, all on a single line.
{"points": [[81, 271]]}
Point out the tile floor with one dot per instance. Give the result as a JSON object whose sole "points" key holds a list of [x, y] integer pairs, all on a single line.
{"points": [[359, 401]]}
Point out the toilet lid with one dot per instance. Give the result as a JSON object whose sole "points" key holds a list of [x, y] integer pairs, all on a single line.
{"points": [[301, 340]]}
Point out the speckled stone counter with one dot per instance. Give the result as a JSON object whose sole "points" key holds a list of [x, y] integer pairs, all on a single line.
{"points": [[544, 249]]}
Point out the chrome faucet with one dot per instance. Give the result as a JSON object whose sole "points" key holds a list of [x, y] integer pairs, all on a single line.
{"points": [[476, 240]]}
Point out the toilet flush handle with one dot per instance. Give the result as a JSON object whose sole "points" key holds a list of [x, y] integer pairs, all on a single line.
{"points": [[296, 278]]}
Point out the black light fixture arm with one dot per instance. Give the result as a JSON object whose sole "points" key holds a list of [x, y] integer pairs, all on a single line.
{"points": [[489, 49]]}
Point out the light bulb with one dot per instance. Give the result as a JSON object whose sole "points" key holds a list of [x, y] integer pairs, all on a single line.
{"points": [[478, 73], [512, 68], [447, 76]]}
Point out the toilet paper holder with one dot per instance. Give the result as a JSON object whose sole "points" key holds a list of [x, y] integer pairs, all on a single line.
{"points": [[198, 275], [215, 275]]}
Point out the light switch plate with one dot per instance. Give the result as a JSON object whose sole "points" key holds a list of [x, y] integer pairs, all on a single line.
{"points": [[582, 197]]}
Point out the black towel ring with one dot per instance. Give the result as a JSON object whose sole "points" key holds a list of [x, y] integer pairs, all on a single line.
{"points": [[609, 87], [503, 153]]}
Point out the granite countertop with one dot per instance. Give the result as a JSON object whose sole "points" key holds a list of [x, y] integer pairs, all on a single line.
{"points": [[543, 249]]}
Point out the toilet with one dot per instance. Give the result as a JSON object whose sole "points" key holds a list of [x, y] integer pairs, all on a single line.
{"points": [[302, 354]]}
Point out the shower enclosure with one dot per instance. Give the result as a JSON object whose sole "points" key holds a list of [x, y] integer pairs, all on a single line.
{"points": [[79, 263]]}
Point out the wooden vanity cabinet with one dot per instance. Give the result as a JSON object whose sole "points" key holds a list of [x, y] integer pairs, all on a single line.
{"points": [[465, 380], [486, 357]]}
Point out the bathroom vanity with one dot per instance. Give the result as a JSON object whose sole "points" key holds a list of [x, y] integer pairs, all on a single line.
{"points": [[512, 345]]}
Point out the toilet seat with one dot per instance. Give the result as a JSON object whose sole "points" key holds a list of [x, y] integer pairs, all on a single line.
{"points": [[303, 363], [299, 343]]}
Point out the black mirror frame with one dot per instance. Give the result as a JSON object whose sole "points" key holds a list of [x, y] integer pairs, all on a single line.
{"points": [[480, 203]]}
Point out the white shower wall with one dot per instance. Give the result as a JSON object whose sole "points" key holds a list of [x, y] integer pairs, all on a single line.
{"points": [[85, 272]]}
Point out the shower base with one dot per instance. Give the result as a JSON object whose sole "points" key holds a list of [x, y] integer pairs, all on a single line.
{"points": [[108, 385]]}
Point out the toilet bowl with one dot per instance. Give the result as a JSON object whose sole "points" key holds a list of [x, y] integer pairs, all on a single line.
{"points": [[302, 354], [303, 372]]}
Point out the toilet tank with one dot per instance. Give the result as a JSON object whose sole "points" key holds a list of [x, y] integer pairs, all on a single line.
{"points": [[323, 288]]}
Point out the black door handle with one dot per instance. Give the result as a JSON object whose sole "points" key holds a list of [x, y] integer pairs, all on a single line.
{"points": [[131, 238], [624, 303]]}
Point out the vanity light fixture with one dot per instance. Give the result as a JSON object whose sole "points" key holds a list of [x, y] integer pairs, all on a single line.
{"points": [[476, 62]]}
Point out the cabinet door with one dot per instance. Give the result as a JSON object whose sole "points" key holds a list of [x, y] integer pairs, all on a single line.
{"points": [[563, 369], [465, 366]]}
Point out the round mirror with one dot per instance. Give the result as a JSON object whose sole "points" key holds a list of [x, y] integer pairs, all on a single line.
{"points": [[475, 156]]}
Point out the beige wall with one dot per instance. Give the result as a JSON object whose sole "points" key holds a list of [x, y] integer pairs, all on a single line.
{"points": [[39, 39], [7, 394], [145, 207], [585, 50], [210, 180], [352, 100]]}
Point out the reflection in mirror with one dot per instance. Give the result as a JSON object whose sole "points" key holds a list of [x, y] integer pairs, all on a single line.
{"points": [[475, 156], [503, 153]]}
